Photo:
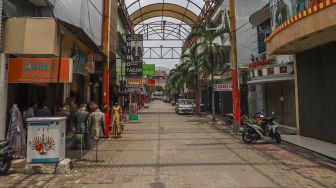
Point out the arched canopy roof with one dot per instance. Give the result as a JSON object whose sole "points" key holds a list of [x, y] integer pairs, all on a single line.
{"points": [[163, 9], [186, 11]]}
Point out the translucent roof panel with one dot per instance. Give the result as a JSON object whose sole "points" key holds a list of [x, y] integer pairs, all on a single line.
{"points": [[184, 10]]}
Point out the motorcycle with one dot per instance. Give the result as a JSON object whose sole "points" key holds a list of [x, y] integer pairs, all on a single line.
{"points": [[267, 130], [6, 156]]}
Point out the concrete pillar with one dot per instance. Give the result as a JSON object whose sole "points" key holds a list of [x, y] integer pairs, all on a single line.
{"points": [[3, 95], [297, 107], [261, 99]]}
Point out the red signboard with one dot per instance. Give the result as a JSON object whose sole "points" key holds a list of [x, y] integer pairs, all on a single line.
{"points": [[150, 82], [223, 87], [39, 70]]}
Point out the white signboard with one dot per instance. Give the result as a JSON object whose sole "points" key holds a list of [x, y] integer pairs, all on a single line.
{"points": [[46, 140], [223, 87]]}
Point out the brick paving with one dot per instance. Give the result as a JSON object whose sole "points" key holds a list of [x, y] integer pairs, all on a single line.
{"points": [[165, 150]]}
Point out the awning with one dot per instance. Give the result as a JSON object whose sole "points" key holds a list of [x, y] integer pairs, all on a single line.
{"points": [[79, 32]]}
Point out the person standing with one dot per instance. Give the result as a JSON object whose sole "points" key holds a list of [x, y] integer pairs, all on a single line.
{"points": [[96, 123], [116, 114], [64, 112], [44, 112], [106, 111], [81, 125]]}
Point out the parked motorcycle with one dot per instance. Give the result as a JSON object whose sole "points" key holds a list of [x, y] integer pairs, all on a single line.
{"points": [[6, 156], [267, 130]]}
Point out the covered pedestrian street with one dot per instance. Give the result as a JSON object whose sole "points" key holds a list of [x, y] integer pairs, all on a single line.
{"points": [[166, 150]]}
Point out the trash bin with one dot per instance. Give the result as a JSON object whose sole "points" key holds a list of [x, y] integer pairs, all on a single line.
{"points": [[46, 140]]}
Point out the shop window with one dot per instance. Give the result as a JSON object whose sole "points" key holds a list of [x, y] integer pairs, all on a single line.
{"points": [[260, 72], [283, 70], [270, 71]]}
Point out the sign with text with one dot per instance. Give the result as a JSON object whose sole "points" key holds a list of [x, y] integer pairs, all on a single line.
{"points": [[223, 87], [134, 55], [148, 69], [39, 70], [134, 82], [133, 69], [150, 82]]}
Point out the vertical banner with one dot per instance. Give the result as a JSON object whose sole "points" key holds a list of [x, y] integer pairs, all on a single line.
{"points": [[133, 111], [134, 55]]}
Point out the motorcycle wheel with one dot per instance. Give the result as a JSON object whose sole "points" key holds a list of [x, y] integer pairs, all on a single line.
{"points": [[247, 138], [277, 137], [4, 166]]}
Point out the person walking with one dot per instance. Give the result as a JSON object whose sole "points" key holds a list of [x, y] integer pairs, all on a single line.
{"points": [[96, 123], [116, 114], [81, 125]]}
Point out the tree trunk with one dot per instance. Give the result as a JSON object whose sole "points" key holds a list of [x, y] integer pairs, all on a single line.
{"points": [[197, 94], [212, 84]]}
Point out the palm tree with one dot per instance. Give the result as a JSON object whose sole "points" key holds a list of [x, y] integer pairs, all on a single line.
{"points": [[207, 37], [194, 62]]}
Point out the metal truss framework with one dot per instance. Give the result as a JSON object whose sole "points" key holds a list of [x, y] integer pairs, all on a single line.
{"points": [[163, 30], [186, 12], [162, 52]]}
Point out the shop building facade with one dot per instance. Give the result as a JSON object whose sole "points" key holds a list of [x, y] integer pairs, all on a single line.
{"points": [[32, 44], [271, 78], [307, 31]]}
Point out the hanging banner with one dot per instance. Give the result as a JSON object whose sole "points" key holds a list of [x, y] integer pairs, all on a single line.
{"points": [[39, 70], [133, 111], [134, 55], [223, 87], [148, 69]]}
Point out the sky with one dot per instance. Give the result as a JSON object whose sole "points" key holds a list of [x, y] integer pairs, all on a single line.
{"points": [[246, 39]]}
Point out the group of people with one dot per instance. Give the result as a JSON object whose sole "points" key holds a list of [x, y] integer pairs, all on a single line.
{"points": [[92, 122], [88, 120]]}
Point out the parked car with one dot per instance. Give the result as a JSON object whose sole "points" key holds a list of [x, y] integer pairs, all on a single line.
{"points": [[184, 106]]}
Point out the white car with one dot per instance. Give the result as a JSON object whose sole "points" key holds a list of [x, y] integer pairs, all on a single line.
{"points": [[184, 106]]}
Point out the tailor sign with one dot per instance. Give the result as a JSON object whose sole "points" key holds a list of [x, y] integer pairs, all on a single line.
{"points": [[39, 70], [223, 87], [134, 55]]}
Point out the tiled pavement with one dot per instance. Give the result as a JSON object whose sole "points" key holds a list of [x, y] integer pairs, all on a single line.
{"points": [[167, 150]]}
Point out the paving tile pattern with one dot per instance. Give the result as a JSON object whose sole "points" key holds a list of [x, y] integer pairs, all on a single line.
{"points": [[165, 150]]}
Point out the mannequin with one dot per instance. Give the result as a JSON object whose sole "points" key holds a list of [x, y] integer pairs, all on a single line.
{"points": [[15, 132], [116, 113]]}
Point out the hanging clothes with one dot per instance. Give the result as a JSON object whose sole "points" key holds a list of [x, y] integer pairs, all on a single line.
{"points": [[16, 133]]}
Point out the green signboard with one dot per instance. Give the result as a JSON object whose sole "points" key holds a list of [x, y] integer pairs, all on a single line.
{"points": [[148, 69]]}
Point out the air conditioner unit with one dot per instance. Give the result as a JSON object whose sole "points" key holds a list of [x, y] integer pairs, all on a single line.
{"points": [[42, 3]]}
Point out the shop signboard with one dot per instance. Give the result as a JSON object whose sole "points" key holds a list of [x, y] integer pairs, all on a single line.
{"points": [[80, 60], [133, 69], [90, 63], [134, 55], [39, 70], [150, 82], [133, 111], [135, 89], [223, 87], [148, 69], [134, 82]]}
